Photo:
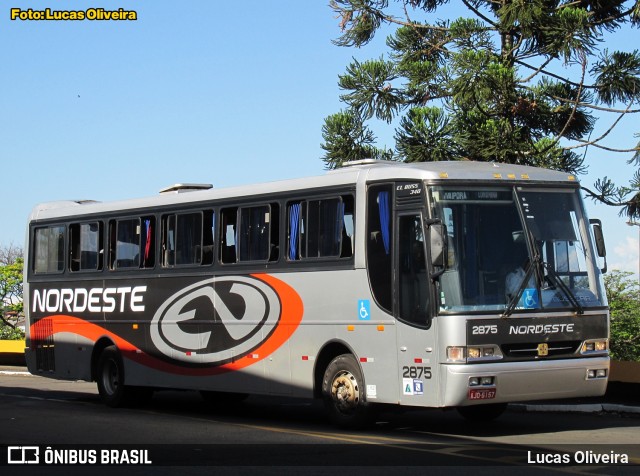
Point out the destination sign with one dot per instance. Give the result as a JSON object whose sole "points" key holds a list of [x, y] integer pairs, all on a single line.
{"points": [[475, 195]]}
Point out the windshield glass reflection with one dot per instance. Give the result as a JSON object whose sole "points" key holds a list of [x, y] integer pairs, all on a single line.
{"points": [[515, 250]]}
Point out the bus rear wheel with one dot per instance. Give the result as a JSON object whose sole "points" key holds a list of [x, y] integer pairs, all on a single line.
{"points": [[343, 393], [110, 379]]}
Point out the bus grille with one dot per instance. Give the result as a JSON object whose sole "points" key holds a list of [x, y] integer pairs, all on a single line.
{"points": [[530, 350], [42, 343]]}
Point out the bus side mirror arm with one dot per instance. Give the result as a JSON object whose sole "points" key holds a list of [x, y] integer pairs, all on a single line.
{"points": [[596, 225]]}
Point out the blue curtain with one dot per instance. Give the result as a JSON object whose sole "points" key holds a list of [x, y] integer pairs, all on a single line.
{"points": [[294, 229], [385, 219], [147, 245]]}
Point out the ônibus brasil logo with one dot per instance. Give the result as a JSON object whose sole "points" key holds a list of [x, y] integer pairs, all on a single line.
{"points": [[216, 320]]}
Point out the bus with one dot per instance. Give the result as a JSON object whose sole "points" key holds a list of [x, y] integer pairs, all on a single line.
{"points": [[447, 284]]}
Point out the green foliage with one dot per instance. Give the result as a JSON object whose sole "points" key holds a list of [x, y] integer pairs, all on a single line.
{"points": [[623, 294], [11, 306], [424, 135], [10, 333], [347, 139], [618, 77], [364, 18], [518, 81], [370, 89]]}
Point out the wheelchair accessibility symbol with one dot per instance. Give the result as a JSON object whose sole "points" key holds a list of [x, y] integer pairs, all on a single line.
{"points": [[364, 309], [530, 298]]}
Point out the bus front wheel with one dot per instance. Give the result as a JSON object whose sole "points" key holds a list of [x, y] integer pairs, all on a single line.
{"points": [[343, 392]]}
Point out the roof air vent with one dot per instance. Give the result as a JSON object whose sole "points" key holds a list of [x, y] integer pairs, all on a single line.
{"points": [[186, 187]]}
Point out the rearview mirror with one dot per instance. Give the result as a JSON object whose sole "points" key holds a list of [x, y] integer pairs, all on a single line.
{"points": [[438, 244], [601, 249]]}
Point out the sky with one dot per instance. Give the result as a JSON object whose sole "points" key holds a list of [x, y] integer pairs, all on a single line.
{"points": [[226, 93]]}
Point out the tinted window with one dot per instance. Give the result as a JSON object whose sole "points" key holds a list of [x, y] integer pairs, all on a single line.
{"points": [[49, 250]]}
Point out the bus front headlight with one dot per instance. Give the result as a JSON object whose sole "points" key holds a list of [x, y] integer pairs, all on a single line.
{"points": [[595, 345]]}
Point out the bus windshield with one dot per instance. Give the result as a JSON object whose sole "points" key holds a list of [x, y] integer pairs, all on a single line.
{"points": [[515, 249]]}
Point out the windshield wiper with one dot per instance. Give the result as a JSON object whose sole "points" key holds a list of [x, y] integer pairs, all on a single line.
{"points": [[560, 284], [532, 265]]}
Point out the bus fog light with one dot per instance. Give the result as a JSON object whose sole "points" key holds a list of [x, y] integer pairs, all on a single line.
{"points": [[591, 374], [474, 382], [601, 373], [486, 381]]}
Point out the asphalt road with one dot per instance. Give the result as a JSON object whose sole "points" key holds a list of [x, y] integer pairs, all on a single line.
{"points": [[272, 436]]}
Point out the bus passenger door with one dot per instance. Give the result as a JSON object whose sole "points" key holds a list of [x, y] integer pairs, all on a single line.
{"points": [[412, 296]]}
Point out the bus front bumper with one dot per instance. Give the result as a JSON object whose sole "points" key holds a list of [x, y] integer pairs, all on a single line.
{"points": [[470, 384]]}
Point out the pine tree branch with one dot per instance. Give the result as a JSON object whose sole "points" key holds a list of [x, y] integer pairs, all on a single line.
{"points": [[601, 197], [553, 75], [614, 17], [536, 72], [603, 147], [480, 15], [594, 142], [594, 107], [573, 110]]}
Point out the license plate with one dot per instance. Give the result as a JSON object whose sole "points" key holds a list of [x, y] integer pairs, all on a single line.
{"points": [[482, 393]]}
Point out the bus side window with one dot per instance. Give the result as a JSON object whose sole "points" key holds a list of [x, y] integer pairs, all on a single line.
{"points": [[189, 238], [208, 234], [347, 243], [85, 245], [48, 250], [255, 233], [294, 210], [182, 239], [413, 292], [320, 228], [124, 243], [148, 243], [257, 236], [274, 245], [379, 243], [168, 241], [228, 221]]}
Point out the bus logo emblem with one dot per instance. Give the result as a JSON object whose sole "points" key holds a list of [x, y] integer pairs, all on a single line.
{"points": [[543, 350], [217, 320]]}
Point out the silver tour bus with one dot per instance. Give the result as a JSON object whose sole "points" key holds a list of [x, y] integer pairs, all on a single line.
{"points": [[461, 284]]}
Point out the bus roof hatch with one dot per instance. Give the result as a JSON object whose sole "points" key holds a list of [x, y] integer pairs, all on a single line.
{"points": [[186, 187]]}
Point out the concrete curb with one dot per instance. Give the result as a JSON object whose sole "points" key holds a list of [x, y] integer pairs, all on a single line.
{"points": [[580, 408]]}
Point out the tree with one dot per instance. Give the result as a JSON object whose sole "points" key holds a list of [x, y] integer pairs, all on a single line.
{"points": [[346, 139], [519, 81], [623, 294], [11, 307]]}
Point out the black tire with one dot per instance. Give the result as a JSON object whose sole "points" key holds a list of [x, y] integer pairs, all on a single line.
{"points": [[482, 413], [110, 378], [343, 392]]}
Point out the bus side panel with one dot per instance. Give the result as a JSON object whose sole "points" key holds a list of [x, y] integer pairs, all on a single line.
{"points": [[253, 334], [340, 313]]}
